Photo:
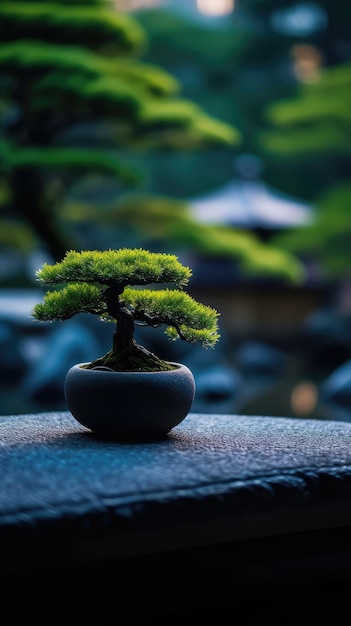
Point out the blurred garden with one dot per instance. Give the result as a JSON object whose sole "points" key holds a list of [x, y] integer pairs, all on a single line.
{"points": [[219, 131]]}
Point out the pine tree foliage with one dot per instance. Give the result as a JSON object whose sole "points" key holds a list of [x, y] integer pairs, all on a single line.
{"points": [[78, 65], [317, 120], [317, 123], [327, 239], [106, 283], [127, 267]]}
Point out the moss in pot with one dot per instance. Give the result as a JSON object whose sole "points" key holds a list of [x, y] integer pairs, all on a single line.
{"points": [[130, 391]]}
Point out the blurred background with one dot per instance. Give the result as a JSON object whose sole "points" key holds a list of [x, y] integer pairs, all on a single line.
{"points": [[218, 130]]}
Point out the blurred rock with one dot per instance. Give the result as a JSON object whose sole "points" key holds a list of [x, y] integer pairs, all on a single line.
{"points": [[257, 359], [12, 362], [336, 388], [66, 345], [327, 336], [217, 388]]}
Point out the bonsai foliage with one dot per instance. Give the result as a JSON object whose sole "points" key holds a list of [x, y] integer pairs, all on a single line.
{"points": [[110, 284]]}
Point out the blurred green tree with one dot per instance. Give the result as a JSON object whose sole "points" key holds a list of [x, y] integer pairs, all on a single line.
{"points": [[77, 101], [74, 99], [236, 68], [316, 124], [205, 61], [294, 42]]}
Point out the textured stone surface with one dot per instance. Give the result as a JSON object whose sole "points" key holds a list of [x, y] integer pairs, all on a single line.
{"points": [[224, 510], [57, 475]]}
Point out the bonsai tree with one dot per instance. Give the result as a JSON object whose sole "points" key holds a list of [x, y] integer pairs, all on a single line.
{"points": [[110, 284]]}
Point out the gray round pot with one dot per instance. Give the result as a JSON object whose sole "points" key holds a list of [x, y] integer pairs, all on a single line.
{"points": [[130, 405]]}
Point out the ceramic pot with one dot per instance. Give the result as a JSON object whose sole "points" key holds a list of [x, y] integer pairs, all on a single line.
{"points": [[131, 405]]}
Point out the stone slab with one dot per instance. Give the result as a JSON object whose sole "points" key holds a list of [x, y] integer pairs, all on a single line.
{"points": [[223, 507]]}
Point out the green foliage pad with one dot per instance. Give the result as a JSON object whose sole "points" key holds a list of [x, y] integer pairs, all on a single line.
{"points": [[109, 284]]}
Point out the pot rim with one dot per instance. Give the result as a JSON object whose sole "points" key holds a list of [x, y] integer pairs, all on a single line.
{"points": [[178, 366]]}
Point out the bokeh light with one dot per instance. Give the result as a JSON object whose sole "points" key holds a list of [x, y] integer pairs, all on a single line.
{"points": [[215, 7], [303, 398], [307, 62]]}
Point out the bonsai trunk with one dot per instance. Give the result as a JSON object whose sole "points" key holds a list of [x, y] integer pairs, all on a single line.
{"points": [[126, 355]]}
